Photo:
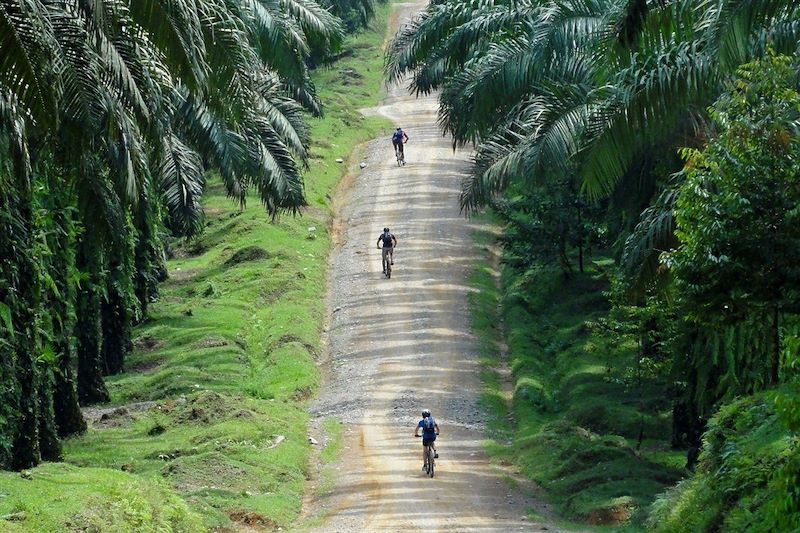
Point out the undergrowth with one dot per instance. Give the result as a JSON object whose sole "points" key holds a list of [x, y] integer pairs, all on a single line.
{"points": [[210, 429], [573, 418], [737, 485]]}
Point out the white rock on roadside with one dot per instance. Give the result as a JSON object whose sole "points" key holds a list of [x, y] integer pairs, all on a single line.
{"points": [[312, 440], [278, 440], [339, 160]]}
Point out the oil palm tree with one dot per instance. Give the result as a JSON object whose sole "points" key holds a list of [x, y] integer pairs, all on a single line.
{"points": [[546, 84], [131, 102]]}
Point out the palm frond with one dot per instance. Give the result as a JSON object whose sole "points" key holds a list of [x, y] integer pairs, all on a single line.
{"points": [[182, 180], [99, 205], [117, 50], [280, 40], [12, 128], [542, 139], [27, 48], [283, 113], [225, 149], [320, 27], [425, 34], [274, 175], [176, 29], [305, 94], [127, 159], [640, 109], [652, 236], [728, 26]]}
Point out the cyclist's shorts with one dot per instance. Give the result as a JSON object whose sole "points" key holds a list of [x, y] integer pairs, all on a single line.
{"points": [[428, 442]]}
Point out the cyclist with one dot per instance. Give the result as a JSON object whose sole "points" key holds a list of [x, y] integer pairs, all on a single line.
{"points": [[429, 429], [389, 241], [398, 139]]}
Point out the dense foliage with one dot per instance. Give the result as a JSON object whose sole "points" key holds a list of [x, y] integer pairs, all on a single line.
{"points": [[111, 113], [664, 133], [735, 276], [355, 14]]}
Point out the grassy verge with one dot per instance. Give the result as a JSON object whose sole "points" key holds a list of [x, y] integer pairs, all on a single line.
{"points": [[572, 421], [210, 429], [485, 323], [326, 480]]}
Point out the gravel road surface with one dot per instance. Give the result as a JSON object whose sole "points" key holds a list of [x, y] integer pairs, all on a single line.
{"points": [[396, 346]]}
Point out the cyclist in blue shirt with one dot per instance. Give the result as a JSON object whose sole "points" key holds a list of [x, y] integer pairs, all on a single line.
{"points": [[429, 429]]}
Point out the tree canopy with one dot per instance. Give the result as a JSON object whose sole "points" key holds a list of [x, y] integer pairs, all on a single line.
{"points": [[112, 112]]}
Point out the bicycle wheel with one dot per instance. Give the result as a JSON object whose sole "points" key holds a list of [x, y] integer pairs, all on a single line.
{"points": [[427, 462], [431, 461]]}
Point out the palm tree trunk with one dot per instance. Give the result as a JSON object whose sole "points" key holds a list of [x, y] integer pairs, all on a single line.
{"points": [[68, 417], [776, 347], [580, 238], [116, 324], [8, 374], [67, 411], [25, 445], [88, 330], [49, 444], [149, 267]]}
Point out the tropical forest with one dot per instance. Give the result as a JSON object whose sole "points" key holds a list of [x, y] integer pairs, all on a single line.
{"points": [[595, 206]]}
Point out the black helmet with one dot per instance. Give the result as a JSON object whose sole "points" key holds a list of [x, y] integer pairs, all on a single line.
{"points": [[426, 413], [386, 230]]}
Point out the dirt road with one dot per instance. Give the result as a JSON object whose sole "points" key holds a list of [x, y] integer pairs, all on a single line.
{"points": [[399, 345]]}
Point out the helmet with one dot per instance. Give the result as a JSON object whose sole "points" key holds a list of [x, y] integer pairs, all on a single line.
{"points": [[399, 128], [386, 230], [426, 413]]}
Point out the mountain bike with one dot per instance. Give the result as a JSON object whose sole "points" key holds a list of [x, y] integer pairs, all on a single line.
{"points": [[386, 260], [399, 153], [430, 460]]}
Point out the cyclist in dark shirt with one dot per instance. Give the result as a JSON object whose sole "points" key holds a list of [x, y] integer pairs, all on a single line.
{"points": [[388, 241], [429, 429], [399, 138]]}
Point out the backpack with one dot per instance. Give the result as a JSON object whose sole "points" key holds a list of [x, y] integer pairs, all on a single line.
{"points": [[387, 240], [429, 424], [398, 136]]}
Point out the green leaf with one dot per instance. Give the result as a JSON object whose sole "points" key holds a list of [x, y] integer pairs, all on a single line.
{"points": [[5, 315]]}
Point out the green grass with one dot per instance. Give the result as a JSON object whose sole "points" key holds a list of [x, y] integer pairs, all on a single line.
{"points": [[326, 482], [335, 432], [45, 500], [576, 412], [227, 356]]}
